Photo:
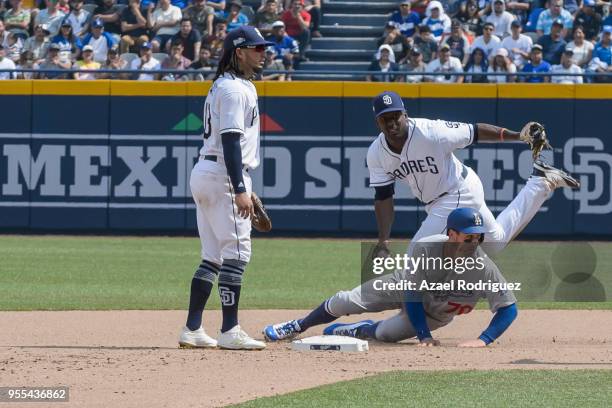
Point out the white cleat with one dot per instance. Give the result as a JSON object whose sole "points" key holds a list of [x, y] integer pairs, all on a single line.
{"points": [[237, 339], [556, 177], [196, 339]]}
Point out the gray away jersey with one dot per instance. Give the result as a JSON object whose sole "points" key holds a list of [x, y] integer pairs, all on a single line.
{"points": [[231, 106], [427, 163], [444, 305]]}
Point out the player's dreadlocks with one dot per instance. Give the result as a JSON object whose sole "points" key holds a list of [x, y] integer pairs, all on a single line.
{"points": [[228, 63]]}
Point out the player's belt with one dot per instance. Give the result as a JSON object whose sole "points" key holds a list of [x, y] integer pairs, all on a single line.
{"points": [[464, 174], [212, 157]]}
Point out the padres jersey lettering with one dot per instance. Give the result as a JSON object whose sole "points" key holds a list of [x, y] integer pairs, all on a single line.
{"points": [[426, 163], [231, 106]]}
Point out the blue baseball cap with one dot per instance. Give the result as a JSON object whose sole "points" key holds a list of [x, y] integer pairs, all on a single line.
{"points": [[146, 45], [607, 29], [590, 3], [387, 102], [558, 22], [465, 220], [244, 36], [97, 23]]}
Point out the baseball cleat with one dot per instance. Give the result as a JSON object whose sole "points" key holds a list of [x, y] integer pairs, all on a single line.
{"points": [[237, 339], [282, 331], [345, 329], [196, 339], [556, 177]]}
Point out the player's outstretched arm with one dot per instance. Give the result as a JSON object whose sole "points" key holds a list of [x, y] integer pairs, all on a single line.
{"points": [[499, 324], [495, 134], [385, 213], [416, 313], [532, 133]]}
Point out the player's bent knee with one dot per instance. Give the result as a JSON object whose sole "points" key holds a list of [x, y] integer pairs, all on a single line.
{"points": [[231, 272]]}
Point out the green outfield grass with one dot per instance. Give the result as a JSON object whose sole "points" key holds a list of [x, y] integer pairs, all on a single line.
{"points": [[513, 388], [89, 273]]}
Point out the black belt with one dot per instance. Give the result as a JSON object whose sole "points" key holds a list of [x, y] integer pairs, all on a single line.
{"points": [[464, 174], [212, 157]]}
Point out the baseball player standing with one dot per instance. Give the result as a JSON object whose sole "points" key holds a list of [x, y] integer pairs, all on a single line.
{"points": [[221, 189], [419, 152]]}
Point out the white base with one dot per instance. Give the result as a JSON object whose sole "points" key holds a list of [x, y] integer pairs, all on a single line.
{"points": [[330, 343]]}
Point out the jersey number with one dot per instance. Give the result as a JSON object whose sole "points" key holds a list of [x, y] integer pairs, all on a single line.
{"points": [[207, 125], [459, 308]]}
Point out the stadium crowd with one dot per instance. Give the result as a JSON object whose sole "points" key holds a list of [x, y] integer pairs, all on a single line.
{"points": [[464, 39], [145, 35], [474, 39]]}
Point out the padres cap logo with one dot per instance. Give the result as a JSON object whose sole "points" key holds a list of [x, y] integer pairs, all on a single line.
{"points": [[387, 100]]}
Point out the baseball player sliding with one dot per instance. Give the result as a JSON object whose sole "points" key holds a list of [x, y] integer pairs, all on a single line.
{"points": [[419, 152], [425, 308], [221, 189]]}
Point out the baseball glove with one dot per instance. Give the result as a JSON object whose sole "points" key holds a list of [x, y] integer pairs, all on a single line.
{"points": [[261, 220], [534, 135]]}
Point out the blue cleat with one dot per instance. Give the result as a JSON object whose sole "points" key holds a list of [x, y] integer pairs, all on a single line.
{"points": [[345, 329], [282, 331]]}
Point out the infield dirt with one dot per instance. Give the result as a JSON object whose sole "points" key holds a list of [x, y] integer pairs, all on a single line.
{"points": [[131, 359]]}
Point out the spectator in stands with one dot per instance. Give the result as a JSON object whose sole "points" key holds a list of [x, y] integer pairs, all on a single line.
{"points": [[313, 7], [6, 63], [399, 43], [384, 62], [87, 65], [602, 57], [163, 22], [38, 44], [470, 18], [79, 18], [189, 38], [133, 27], [488, 42], [437, 20], [13, 48], [520, 9], [216, 41], [264, 18], [52, 62], [567, 66], [286, 48], [205, 65], [553, 44], [3, 33], [51, 16], [297, 21], [458, 42], [273, 64], [217, 5], [405, 20], [64, 6], [445, 63], [17, 19], [518, 45], [70, 44], [536, 65], [202, 17], [108, 12], [478, 66], [608, 20], [146, 62], [500, 18], [532, 20], [25, 62], [176, 61], [555, 12], [589, 20], [415, 65], [502, 64], [425, 42], [233, 16], [114, 62], [99, 40], [583, 50]]}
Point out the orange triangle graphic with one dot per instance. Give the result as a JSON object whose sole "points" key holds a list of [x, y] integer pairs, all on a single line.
{"points": [[270, 125]]}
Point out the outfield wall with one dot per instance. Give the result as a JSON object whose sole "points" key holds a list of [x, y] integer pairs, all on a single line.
{"points": [[116, 155]]}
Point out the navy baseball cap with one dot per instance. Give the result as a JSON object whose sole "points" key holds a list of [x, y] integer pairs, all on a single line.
{"points": [[558, 22], [97, 23], [146, 45], [589, 3], [387, 102], [244, 36], [465, 220]]}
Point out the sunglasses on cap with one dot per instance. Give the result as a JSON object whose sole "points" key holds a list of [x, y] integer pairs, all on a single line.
{"points": [[257, 48]]}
